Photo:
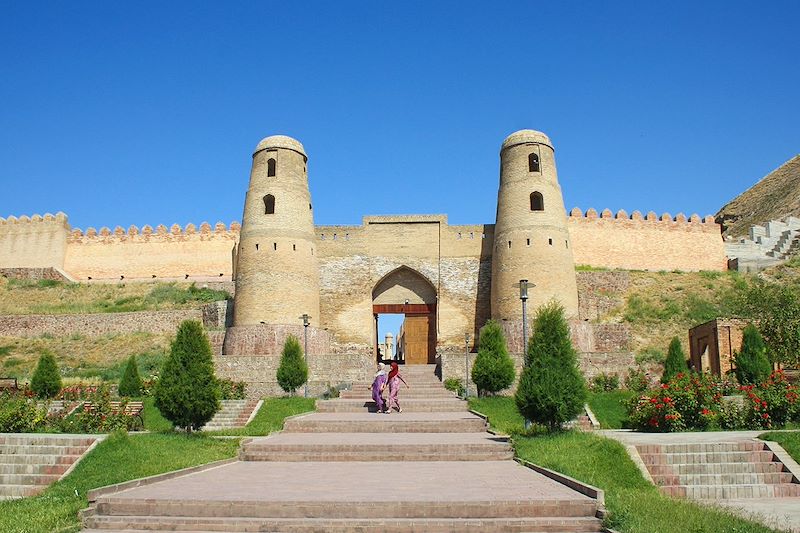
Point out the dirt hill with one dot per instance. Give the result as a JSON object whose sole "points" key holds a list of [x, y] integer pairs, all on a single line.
{"points": [[776, 196]]}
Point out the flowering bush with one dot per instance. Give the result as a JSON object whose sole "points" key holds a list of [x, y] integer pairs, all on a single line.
{"points": [[604, 382], [79, 391], [687, 401], [20, 414], [771, 404], [637, 380]]}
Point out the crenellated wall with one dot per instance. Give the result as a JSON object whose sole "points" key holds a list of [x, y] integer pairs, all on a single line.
{"points": [[204, 253], [33, 242], [649, 242]]}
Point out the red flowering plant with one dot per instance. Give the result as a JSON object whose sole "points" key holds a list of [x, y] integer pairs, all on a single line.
{"points": [[79, 391], [688, 401], [772, 403]]}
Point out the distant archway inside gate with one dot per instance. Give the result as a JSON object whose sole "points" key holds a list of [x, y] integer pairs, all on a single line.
{"points": [[406, 292]]}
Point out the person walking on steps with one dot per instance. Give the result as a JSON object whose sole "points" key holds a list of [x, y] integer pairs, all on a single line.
{"points": [[394, 386], [378, 385]]}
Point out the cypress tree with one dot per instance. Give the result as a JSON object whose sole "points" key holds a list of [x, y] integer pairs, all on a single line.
{"points": [[551, 389], [493, 370], [131, 383], [292, 371], [751, 363], [46, 380], [187, 393], [675, 362]]}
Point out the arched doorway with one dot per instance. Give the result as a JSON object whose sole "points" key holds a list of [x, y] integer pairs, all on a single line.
{"points": [[406, 291]]}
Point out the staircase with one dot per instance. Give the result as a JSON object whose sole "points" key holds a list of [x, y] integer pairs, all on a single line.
{"points": [[31, 462], [714, 471], [233, 414], [349, 469]]}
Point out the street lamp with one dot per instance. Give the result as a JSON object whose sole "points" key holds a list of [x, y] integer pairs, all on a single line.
{"points": [[466, 365], [305, 318], [523, 295]]}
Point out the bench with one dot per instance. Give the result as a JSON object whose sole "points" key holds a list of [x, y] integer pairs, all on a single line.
{"points": [[9, 384], [134, 409]]}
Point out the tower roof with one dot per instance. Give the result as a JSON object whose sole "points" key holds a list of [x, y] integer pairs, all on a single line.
{"points": [[280, 141], [526, 137]]}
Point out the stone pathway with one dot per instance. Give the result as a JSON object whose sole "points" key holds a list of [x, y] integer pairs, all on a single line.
{"points": [[731, 468], [351, 470]]}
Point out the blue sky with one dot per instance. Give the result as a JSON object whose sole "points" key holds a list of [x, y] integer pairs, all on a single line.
{"points": [[147, 113]]}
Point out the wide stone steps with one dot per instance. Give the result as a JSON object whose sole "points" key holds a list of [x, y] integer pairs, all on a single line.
{"points": [[107, 524], [381, 423], [30, 462], [728, 470], [413, 405], [377, 447], [415, 393]]}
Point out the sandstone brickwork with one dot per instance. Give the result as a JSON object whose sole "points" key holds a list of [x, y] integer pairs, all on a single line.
{"points": [[33, 242], [95, 324]]}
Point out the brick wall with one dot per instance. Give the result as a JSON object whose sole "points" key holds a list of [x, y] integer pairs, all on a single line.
{"points": [[33, 273], [95, 324]]}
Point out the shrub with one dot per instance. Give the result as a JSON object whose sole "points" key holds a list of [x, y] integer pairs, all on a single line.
{"points": [[493, 370], [19, 414], [637, 380], [605, 382], [232, 390], [650, 355], [102, 419], [675, 362], [751, 363], [772, 403], [187, 393], [551, 389], [46, 380], [292, 371], [455, 385], [687, 401], [131, 383]]}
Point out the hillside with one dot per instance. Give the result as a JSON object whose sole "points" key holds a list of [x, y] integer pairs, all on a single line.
{"points": [[775, 196]]}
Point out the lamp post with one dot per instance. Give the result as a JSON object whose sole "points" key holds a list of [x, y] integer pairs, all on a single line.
{"points": [[466, 365], [305, 318], [523, 295]]}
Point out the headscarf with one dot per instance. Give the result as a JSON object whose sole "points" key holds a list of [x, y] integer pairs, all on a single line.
{"points": [[381, 369], [394, 371]]}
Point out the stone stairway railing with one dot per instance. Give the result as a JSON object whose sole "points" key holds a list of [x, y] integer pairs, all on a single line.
{"points": [[31, 462]]}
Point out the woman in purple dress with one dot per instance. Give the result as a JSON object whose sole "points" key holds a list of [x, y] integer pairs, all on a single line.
{"points": [[378, 384]]}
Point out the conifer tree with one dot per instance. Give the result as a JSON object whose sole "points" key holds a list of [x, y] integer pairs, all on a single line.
{"points": [[131, 382], [187, 393], [292, 371], [493, 370], [46, 380], [551, 389], [675, 362], [751, 363]]}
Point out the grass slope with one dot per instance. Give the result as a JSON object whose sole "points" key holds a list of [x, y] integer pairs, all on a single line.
{"points": [[609, 408], [635, 506], [789, 440]]}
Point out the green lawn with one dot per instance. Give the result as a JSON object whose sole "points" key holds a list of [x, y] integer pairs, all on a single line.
{"points": [[635, 506], [609, 408], [789, 440]]}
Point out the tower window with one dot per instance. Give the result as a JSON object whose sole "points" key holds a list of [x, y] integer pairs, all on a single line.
{"points": [[294, 247], [537, 201], [550, 242], [271, 167], [256, 247], [533, 162], [269, 205], [274, 245], [529, 242], [509, 245]]}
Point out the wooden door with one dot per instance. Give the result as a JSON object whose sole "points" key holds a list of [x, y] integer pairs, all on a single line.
{"points": [[420, 339]]}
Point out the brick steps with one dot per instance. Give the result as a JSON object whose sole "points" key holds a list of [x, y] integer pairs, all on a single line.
{"points": [[428, 405], [393, 423], [405, 394], [394, 525], [29, 463], [232, 414], [713, 471]]}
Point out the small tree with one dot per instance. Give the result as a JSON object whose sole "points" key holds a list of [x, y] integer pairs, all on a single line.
{"points": [[46, 380], [551, 389], [675, 362], [493, 370], [187, 393], [293, 371], [752, 364], [131, 383]]}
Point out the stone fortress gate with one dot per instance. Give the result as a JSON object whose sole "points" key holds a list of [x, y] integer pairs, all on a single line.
{"points": [[447, 280]]}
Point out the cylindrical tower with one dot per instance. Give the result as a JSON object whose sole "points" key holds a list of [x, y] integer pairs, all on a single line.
{"points": [[277, 272], [531, 240]]}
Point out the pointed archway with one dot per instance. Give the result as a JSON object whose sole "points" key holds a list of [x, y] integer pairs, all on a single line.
{"points": [[406, 291]]}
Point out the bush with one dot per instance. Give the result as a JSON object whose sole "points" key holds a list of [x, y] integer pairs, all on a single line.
{"points": [[687, 401], [232, 390], [187, 393], [455, 385], [637, 380], [19, 414], [551, 389], [751, 363], [493, 370], [102, 420], [46, 380], [675, 362], [292, 371], [772, 403], [131, 383], [605, 382]]}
